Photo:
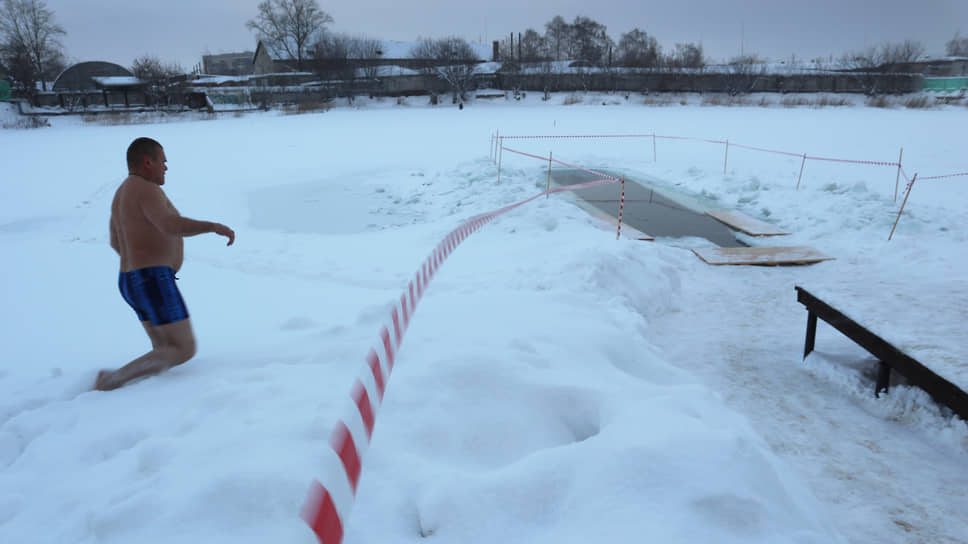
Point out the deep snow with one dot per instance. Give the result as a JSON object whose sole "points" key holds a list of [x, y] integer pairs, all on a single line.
{"points": [[555, 384]]}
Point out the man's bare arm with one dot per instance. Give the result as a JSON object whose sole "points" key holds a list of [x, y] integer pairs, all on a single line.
{"points": [[160, 213]]}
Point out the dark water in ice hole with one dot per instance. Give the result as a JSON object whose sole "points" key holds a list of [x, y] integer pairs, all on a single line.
{"points": [[647, 210]]}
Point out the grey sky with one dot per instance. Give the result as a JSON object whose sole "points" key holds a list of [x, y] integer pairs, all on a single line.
{"points": [[183, 30]]}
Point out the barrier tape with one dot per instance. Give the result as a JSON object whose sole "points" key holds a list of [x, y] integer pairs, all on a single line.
{"points": [[926, 178], [904, 173], [549, 159], [723, 142], [621, 207], [787, 153], [873, 163], [324, 511], [963, 174], [578, 137], [907, 188]]}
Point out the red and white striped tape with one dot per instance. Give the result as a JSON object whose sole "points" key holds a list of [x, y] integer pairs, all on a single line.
{"points": [[851, 161], [327, 508], [928, 178], [549, 159], [961, 175], [753, 148]]}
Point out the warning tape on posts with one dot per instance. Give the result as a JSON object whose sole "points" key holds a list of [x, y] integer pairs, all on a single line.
{"points": [[721, 142], [961, 175], [603, 175], [326, 512], [929, 178]]}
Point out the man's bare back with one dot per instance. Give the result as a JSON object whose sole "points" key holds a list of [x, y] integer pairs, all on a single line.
{"points": [[147, 233], [134, 214]]}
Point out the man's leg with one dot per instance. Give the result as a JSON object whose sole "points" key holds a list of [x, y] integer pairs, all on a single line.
{"points": [[172, 345]]}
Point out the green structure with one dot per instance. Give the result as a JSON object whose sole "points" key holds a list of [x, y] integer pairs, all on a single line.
{"points": [[4, 90], [945, 85]]}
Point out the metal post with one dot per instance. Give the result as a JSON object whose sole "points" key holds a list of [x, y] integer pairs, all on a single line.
{"points": [[726, 158], [811, 333], [909, 189], [802, 164], [883, 379], [621, 207], [897, 180], [548, 190], [500, 156], [654, 156]]}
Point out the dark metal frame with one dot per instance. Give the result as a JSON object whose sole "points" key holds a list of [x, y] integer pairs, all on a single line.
{"points": [[891, 358]]}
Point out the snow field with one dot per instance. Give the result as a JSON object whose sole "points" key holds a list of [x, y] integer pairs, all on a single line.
{"points": [[554, 384]]}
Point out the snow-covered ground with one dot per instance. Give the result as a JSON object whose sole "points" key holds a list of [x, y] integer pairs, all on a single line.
{"points": [[555, 385]]}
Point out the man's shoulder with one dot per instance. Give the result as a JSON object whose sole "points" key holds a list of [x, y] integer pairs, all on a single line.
{"points": [[135, 185]]}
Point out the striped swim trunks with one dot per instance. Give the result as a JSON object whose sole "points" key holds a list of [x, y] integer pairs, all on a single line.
{"points": [[153, 295]]}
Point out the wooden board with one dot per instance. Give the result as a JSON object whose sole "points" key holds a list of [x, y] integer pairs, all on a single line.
{"points": [[745, 223], [627, 230], [770, 256]]}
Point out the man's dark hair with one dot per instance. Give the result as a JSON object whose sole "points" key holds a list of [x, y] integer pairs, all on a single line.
{"points": [[140, 148]]}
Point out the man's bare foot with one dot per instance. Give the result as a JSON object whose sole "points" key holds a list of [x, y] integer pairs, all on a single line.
{"points": [[106, 381]]}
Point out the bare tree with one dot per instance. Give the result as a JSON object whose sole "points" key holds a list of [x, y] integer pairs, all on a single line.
{"points": [[743, 72], [339, 56], [527, 47], [290, 27], [151, 68], [29, 42], [638, 49], [590, 41], [533, 46], [365, 50], [451, 59], [558, 36], [897, 56], [865, 63], [957, 47], [331, 57], [160, 76], [872, 65]]}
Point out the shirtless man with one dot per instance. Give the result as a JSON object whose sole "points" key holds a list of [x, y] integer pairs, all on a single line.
{"points": [[147, 232]]}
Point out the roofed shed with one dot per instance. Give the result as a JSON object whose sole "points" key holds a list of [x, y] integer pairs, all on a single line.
{"points": [[81, 76]]}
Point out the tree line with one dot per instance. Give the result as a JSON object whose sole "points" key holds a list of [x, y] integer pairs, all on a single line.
{"points": [[587, 41], [32, 54]]}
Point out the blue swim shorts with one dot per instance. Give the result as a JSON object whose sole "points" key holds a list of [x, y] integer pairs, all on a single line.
{"points": [[153, 295]]}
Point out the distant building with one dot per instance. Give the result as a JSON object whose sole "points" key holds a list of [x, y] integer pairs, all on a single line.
{"points": [[228, 64], [261, 62], [84, 76], [943, 67]]}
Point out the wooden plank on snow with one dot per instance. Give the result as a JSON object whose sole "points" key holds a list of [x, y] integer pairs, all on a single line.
{"points": [[767, 256], [745, 223]]}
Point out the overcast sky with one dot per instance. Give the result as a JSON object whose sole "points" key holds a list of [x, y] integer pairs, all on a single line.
{"points": [[183, 30]]}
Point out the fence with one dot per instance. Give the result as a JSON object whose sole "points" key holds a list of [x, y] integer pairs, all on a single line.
{"points": [[663, 80], [498, 147]]}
